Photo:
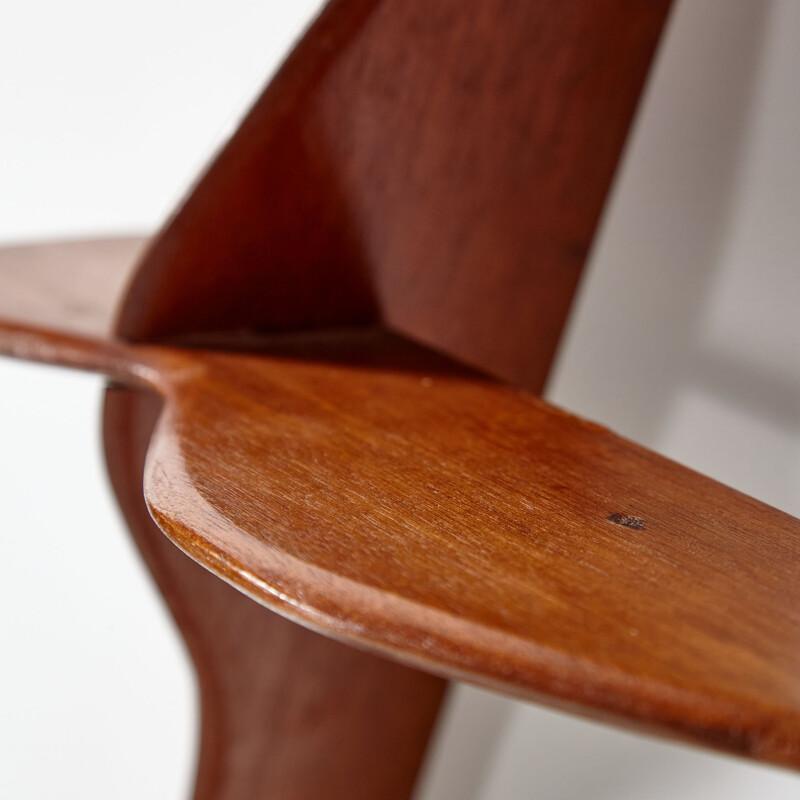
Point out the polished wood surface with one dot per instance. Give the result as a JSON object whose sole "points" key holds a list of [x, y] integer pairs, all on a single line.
{"points": [[438, 169], [67, 285], [440, 166], [382, 494], [284, 710]]}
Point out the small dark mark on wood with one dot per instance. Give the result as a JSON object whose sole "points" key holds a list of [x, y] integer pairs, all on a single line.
{"points": [[637, 523]]}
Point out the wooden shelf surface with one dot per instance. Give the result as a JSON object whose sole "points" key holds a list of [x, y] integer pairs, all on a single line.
{"points": [[379, 493]]}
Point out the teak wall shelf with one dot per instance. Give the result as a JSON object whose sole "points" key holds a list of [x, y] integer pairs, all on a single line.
{"points": [[324, 372]]}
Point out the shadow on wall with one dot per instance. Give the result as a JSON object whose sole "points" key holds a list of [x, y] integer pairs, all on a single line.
{"points": [[638, 319]]}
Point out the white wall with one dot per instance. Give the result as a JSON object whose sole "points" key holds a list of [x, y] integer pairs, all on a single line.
{"points": [[686, 338]]}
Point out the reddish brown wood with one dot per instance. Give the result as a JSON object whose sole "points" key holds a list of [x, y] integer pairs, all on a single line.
{"points": [[68, 286], [441, 166], [284, 710], [385, 496]]}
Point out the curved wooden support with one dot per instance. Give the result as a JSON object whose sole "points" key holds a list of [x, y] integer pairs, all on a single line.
{"points": [[439, 170], [438, 166], [285, 712]]}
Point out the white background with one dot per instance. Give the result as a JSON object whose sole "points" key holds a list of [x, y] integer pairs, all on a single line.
{"points": [[686, 338]]}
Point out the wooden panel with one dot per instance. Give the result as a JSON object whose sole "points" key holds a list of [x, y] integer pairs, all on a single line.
{"points": [[373, 493], [438, 165], [69, 286], [386, 496]]}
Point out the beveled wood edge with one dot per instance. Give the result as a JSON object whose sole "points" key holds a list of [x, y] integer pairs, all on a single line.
{"points": [[247, 741], [443, 644], [454, 648]]}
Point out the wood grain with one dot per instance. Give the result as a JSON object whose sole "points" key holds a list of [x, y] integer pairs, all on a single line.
{"points": [[377, 492], [72, 286], [440, 166], [284, 710]]}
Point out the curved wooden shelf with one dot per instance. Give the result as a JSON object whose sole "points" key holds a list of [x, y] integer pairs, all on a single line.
{"points": [[372, 491], [72, 286], [377, 492]]}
